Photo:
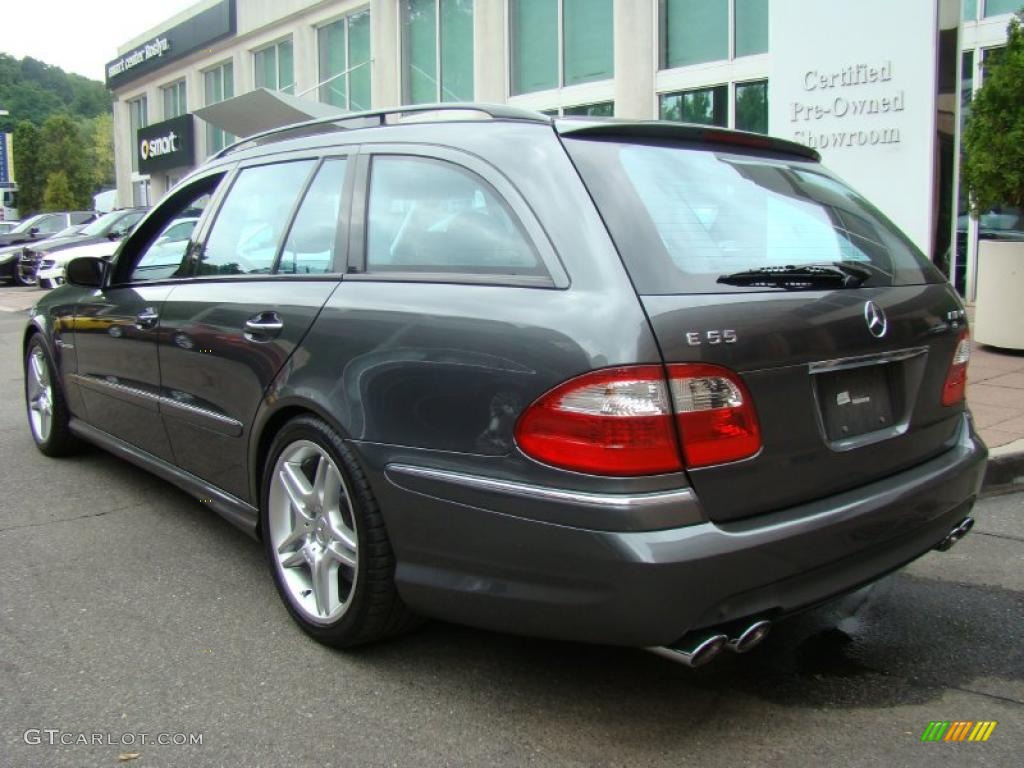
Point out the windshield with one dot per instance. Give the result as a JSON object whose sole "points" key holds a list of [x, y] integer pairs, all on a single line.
{"points": [[684, 217], [26, 225], [68, 231]]}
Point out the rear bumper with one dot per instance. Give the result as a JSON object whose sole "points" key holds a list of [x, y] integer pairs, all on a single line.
{"points": [[469, 564]]}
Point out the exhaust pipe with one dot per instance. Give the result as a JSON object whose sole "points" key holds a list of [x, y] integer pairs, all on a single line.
{"points": [[695, 655], [749, 637], [956, 534]]}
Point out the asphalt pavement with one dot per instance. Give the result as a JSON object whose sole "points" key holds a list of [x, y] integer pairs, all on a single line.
{"points": [[128, 609]]}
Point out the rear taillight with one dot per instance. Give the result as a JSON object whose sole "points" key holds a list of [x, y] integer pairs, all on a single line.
{"points": [[631, 420], [616, 421], [714, 413], [956, 379]]}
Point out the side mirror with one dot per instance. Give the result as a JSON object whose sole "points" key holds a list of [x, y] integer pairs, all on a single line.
{"points": [[34, 231], [85, 272]]}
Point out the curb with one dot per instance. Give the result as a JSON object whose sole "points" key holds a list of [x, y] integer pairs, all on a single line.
{"points": [[1005, 472]]}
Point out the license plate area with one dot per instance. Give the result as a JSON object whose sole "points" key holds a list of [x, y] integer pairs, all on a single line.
{"points": [[859, 401]]}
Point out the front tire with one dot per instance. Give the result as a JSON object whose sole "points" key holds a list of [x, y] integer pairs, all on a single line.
{"points": [[325, 539], [21, 280], [48, 414]]}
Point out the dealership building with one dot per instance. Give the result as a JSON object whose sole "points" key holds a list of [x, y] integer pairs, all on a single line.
{"points": [[879, 88]]}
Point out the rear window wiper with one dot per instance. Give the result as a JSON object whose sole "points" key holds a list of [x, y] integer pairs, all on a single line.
{"points": [[802, 277]]}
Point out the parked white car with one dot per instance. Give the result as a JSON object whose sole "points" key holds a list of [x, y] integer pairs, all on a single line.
{"points": [[169, 247], [51, 269]]}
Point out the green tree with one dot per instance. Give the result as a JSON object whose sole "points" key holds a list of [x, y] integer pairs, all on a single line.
{"points": [[101, 131], [993, 139], [63, 148], [58, 195], [27, 171]]}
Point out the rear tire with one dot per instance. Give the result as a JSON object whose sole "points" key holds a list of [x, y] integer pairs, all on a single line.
{"points": [[325, 539], [20, 280], [48, 414]]}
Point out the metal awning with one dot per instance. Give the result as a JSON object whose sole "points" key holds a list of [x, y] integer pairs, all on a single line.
{"points": [[262, 110]]}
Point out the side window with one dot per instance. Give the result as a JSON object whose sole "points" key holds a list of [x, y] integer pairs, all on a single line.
{"points": [[129, 220], [309, 249], [82, 217], [250, 224], [159, 248], [427, 215], [50, 224]]}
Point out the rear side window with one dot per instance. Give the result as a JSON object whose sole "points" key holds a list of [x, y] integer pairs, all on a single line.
{"points": [[251, 222], [682, 217], [426, 215], [309, 249]]}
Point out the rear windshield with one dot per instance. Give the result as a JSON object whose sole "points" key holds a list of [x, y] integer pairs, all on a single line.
{"points": [[683, 216]]}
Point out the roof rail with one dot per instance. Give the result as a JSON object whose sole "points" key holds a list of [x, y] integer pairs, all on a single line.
{"points": [[377, 117]]}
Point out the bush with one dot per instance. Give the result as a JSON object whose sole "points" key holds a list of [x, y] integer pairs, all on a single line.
{"points": [[993, 139]]}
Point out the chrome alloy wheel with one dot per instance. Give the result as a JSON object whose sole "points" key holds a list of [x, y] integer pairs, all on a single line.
{"points": [[313, 532], [39, 394]]}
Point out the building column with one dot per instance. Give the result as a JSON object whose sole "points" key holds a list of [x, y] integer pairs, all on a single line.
{"points": [[635, 52], [386, 53], [124, 145], [304, 60], [490, 57]]}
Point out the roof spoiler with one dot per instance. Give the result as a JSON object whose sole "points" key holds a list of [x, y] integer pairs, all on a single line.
{"points": [[663, 129]]}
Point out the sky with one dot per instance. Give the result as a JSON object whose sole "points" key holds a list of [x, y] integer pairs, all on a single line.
{"points": [[78, 35]]}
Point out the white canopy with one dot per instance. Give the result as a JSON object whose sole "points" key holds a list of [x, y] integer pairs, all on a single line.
{"points": [[263, 110]]}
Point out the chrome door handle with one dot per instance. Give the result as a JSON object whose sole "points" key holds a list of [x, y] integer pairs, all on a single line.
{"points": [[147, 318], [263, 326]]}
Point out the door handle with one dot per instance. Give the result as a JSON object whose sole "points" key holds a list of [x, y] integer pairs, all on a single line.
{"points": [[147, 318], [263, 326]]}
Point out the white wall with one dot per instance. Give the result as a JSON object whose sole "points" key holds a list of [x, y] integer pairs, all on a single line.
{"points": [[879, 135]]}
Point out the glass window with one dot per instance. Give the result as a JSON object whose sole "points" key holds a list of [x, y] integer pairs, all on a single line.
{"points": [[174, 100], [344, 57], [997, 7], [437, 50], [431, 216], [541, 61], [601, 109], [137, 118], [970, 10], [50, 224], [695, 31], [751, 27], [534, 43], [752, 106], [706, 106], [587, 35], [309, 249], [273, 67], [251, 222], [692, 216], [218, 84], [456, 50], [163, 248]]}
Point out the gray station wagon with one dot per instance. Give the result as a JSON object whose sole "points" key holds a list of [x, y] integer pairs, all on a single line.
{"points": [[636, 383]]}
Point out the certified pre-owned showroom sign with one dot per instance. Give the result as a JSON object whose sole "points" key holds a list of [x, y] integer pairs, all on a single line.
{"points": [[166, 145]]}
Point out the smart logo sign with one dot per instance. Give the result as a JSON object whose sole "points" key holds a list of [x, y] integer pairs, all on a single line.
{"points": [[166, 145]]}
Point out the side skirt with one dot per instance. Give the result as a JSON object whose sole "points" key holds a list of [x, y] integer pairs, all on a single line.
{"points": [[239, 513]]}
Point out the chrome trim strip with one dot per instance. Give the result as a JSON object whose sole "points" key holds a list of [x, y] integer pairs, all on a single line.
{"points": [[858, 362], [233, 426], [121, 391], [618, 502]]}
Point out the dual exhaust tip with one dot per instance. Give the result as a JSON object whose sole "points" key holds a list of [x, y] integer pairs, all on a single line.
{"points": [[958, 532], [701, 652]]}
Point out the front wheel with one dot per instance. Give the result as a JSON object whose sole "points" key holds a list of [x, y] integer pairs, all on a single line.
{"points": [[21, 279], [48, 414], [325, 539]]}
